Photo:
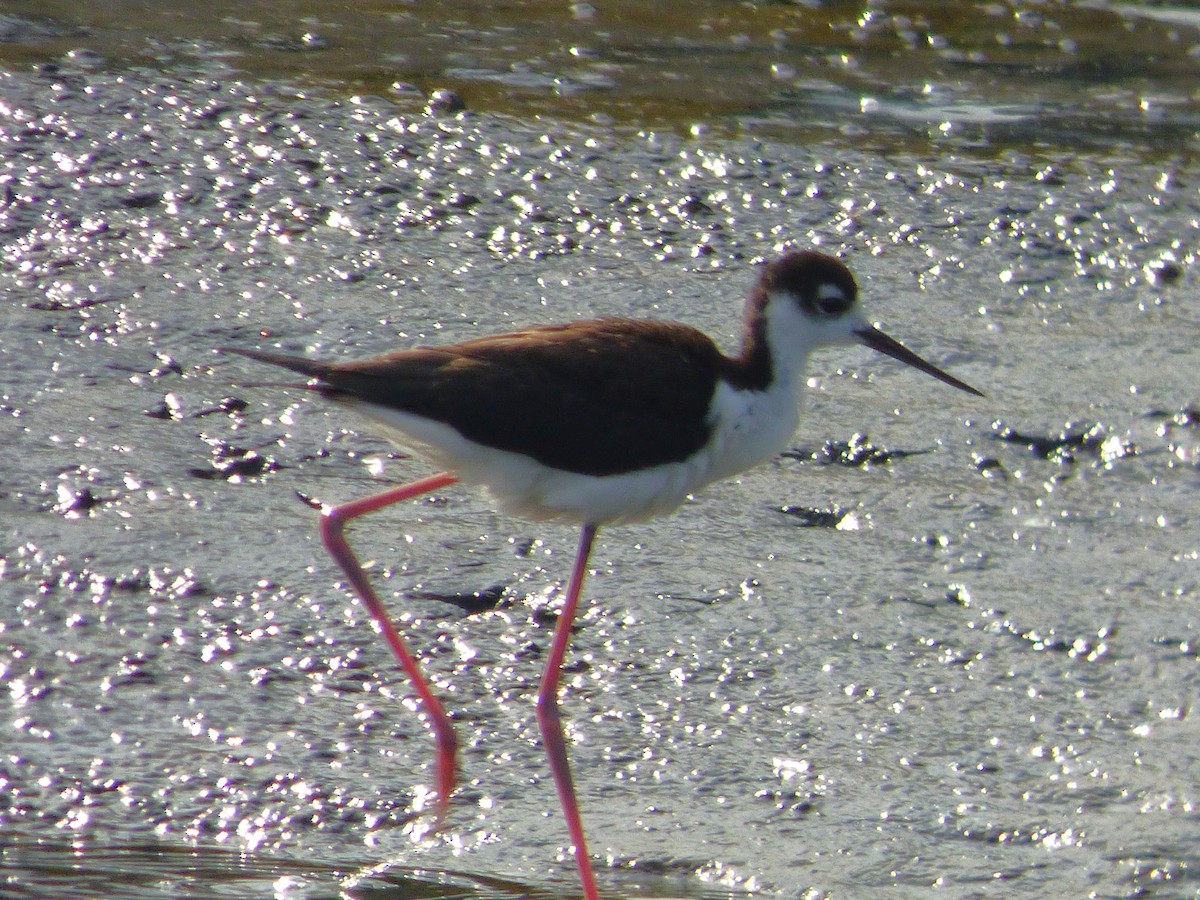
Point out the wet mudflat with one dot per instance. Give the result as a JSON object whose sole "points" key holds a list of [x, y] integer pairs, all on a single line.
{"points": [[941, 641]]}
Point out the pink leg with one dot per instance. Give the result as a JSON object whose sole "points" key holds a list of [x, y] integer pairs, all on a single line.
{"points": [[333, 524], [551, 723]]}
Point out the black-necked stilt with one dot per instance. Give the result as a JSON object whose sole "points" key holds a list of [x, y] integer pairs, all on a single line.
{"points": [[596, 422]]}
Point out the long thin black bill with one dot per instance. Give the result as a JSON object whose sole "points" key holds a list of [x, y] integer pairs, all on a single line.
{"points": [[877, 340]]}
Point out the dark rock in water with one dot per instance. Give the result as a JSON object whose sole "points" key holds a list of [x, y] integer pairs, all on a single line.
{"points": [[470, 602], [856, 452], [810, 517], [445, 100]]}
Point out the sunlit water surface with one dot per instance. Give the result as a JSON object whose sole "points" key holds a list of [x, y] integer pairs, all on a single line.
{"points": [[940, 642]]}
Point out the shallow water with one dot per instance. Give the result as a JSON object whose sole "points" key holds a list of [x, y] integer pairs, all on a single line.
{"points": [[981, 674], [884, 74]]}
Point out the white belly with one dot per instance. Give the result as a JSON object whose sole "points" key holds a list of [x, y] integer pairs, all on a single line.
{"points": [[522, 486]]}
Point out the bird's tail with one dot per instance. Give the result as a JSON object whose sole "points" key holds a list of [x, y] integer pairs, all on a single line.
{"points": [[310, 367]]}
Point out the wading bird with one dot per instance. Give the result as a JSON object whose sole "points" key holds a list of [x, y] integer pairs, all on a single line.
{"points": [[592, 422]]}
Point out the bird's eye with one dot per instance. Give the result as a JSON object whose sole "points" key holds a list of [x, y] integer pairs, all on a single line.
{"points": [[831, 300]]}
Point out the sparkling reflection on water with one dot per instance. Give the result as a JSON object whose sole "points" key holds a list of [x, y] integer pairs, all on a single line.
{"points": [[939, 642]]}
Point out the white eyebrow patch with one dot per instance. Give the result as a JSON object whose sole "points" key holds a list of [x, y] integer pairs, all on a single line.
{"points": [[830, 291]]}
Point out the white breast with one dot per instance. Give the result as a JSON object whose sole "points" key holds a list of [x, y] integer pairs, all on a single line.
{"points": [[750, 427]]}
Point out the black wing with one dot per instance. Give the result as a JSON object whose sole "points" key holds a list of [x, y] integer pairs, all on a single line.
{"points": [[597, 398]]}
